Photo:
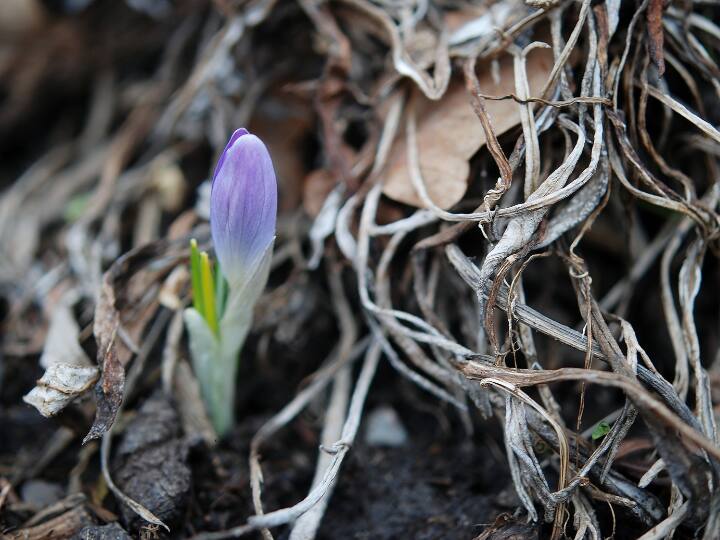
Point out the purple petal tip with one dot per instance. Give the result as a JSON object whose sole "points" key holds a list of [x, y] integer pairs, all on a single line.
{"points": [[243, 205]]}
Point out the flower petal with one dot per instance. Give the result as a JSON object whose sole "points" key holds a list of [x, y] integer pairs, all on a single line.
{"points": [[243, 206]]}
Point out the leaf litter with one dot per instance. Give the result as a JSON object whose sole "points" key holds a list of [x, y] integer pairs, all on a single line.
{"points": [[514, 204]]}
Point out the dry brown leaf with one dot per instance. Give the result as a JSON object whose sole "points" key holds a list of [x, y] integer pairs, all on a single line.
{"points": [[121, 315], [284, 129], [69, 373], [449, 133], [318, 184]]}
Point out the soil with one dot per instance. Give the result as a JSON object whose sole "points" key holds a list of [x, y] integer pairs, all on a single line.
{"points": [[443, 483]]}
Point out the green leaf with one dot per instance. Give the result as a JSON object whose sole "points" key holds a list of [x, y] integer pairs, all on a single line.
{"points": [[602, 429], [208, 292], [195, 277]]}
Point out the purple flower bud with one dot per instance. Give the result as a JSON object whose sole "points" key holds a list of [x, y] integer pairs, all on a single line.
{"points": [[243, 206]]}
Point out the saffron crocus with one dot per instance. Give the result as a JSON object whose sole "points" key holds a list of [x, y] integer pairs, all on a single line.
{"points": [[243, 206], [243, 214]]}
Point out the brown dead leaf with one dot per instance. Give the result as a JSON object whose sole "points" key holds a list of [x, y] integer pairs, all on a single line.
{"points": [[69, 373], [388, 212], [449, 133], [318, 184], [122, 312], [283, 126], [59, 385]]}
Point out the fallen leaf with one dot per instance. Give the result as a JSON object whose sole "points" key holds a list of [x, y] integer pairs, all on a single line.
{"points": [[284, 126], [59, 385], [449, 133], [317, 186], [122, 312], [68, 371]]}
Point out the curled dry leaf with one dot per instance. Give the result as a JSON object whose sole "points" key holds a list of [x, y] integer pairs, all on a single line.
{"points": [[120, 320], [68, 371], [449, 133], [59, 385]]}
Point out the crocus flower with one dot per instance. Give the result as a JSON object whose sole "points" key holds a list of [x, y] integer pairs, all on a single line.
{"points": [[243, 212], [243, 206]]}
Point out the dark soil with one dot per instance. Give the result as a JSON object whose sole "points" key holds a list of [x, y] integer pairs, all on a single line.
{"points": [[444, 483]]}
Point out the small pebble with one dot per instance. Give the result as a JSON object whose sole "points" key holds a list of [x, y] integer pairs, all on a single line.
{"points": [[384, 428], [40, 493], [111, 531]]}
